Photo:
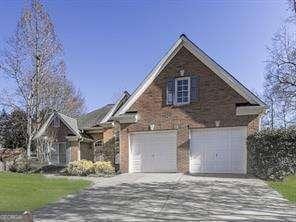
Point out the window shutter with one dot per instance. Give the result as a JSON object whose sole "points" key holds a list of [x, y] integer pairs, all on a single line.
{"points": [[193, 88], [170, 89]]}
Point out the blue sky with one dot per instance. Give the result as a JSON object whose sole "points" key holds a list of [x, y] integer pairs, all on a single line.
{"points": [[110, 46]]}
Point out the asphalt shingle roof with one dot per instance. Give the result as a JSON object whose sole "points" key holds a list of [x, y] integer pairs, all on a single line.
{"points": [[72, 123], [93, 118]]}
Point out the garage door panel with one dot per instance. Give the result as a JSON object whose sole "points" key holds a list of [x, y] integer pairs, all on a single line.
{"points": [[210, 155], [223, 150], [158, 151], [222, 156], [136, 157], [237, 167], [236, 155], [208, 169]]}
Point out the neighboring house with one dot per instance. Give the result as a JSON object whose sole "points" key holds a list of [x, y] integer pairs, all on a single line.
{"points": [[188, 115], [91, 136]]}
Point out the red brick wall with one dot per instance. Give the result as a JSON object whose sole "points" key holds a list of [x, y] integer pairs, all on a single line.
{"points": [[253, 125], [216, 101], [123, 151], [74, 150], [107, 137]]}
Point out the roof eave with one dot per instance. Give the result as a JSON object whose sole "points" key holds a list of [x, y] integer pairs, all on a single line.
{"points": [[208, 61], [109, 115]]}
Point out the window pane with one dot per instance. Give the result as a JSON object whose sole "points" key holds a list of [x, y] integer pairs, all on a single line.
{"points": [[182, 91], [170, 97], [98, 143]]}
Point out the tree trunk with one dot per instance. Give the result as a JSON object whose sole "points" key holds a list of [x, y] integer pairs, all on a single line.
{"points": [[29, 130], [272, 115]]}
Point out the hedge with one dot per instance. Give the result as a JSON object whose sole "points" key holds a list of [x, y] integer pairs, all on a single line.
{"points": [[272, 153]]}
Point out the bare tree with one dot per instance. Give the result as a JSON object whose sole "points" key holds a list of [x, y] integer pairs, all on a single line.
{"points": [[60, 94], [280, 84], [33, 59], [292, 9], [280, 75], [269, 118], [46, 146]]}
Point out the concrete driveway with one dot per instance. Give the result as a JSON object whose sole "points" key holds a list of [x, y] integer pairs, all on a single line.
{"points": [[159, 197]]}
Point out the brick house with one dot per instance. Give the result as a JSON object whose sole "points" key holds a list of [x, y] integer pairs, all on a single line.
{"points": [[188, 115], [91, 136]]}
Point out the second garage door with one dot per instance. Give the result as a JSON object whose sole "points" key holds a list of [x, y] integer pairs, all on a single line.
{"points": [[218, 150], [153, 151]]}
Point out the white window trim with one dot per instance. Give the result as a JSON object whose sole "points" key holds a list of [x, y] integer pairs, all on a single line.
{"points": [[176, 91]]}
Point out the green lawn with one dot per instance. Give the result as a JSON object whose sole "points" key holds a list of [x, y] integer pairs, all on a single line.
{"points": [[287, 188], [19, 192]]}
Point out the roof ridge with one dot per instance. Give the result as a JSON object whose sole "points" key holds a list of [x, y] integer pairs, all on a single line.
{"points": [[109, 104], [184, 41], [94, 117]]}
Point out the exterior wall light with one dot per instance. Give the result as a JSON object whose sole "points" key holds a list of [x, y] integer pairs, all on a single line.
{"points": [[217, 123]]}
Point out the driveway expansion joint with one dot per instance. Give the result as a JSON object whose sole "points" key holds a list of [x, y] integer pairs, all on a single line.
{"points": [[170, 195]]}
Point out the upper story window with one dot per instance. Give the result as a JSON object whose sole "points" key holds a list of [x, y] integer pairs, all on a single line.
{"points": [[98, 143], [56, 122], [182, 89]]}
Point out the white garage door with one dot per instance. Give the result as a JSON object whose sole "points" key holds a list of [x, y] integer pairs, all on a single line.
{"points": [[218, 150], [153, 152]]}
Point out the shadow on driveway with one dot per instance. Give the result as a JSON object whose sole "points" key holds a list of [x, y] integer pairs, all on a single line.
{"points": [[185, 198]]}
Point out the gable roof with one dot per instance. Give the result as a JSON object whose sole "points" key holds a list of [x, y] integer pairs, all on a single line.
{"points": [[116, 107], [86, 121], [71, 123], [183, 41], [93, 118]]}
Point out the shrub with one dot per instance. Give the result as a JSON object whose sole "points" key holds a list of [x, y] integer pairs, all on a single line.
{"points": [[20, 165], [272, 153], [86, 167], [79, 168], [103, 167], [15, 160]]}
